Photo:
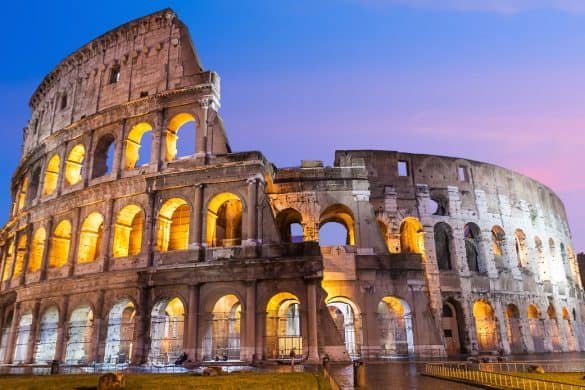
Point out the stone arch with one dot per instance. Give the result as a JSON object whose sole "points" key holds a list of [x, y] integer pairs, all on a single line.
{"points": [[37, 249], [103, 156], [498, 245], [5, 331], [172, 133], [411, 236], [521, 248], [22, 194], [513, 329], [569, 330], [348, 321], [166, 330], [74, 165], [121, 332], [128, 231], [90, 238], [51, 175], [473, 252], [283, 326], [453, 327], [286, 220], [60, 243], [443, 235], [134, 144], [23, 334], [173, 225], [340, 214], [536, 324], [485, 326], [394, 319], [224, 220], [553, 328], [46, 344], [33, 187], [80, 335], [221, 340], [20, 253]]}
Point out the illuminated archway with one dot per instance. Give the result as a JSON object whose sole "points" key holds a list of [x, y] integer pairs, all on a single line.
{"points": [[572, 344], [395, 327], [51, 175], [536, 328], [80, 336], [6, 326], [128, 231], [286, 220], [224, 220], [60, 242], [473, 253], [90, 238], [453, 327], [485, 326], [120, 337], [173, 226], [172, 134], [521, 249], [21, 198], [443, 236], [553, 328], [8, 259], [166, 331], [23, 334], [513, 329], [283, 326], [222, 335], [103, 156], [74, 164], [411, 236], [347, 319], [37, 249], [337, 214], [135, 142], [20, 253], [47, 336]]}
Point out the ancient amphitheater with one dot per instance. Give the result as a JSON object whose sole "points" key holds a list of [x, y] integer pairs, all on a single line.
{"points": [[122, 247]]}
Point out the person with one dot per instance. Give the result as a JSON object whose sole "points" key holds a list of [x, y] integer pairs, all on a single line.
{"points": [[181, 359], [292, 359]]}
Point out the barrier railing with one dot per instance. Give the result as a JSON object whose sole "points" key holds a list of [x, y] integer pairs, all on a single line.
{"points": [[463, 372], [572, 365]]}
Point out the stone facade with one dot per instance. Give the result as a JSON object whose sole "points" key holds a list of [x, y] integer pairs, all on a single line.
{"points": [[124, 247]]}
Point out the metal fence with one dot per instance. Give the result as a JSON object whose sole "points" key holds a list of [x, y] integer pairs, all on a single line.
{"points": [[573, 365], [463, 371]]}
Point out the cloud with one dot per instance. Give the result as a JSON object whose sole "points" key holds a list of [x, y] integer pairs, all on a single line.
{"points": [[496, 6]]}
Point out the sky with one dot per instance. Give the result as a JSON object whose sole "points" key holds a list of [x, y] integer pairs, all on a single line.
{"points": [[501, 81]]}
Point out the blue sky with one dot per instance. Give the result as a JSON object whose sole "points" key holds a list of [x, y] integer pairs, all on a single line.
{"points": [[479, 79]]}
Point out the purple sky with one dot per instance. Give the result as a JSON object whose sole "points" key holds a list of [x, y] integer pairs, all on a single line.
{"points": [[497, 81]]}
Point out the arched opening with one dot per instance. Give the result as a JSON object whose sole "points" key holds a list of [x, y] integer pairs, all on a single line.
{"points": [[138, 146], [513, 329], [565, 262], [498, 241], [33, 188], [472, 248], [411, 236], [21, 199], [23, 334], [185, 124], [540, 259], [46, 344], [569, 331], [395, 327], [20, 253], [222, 336], [289, 222], [384, 232], [8, 259], [173, 226], [79, 336], [553, 328], [60, 241], [90, 238], [485, 327], [283, 326], [521, 249], [51, 175], [103, 156], [453, 329], [6, 326], [120, 338], [336, 226], [166, 331], [443, 245], [74, 165], [224, 220], [37, 250], [536, 328], [347, 321], [128, 231]]}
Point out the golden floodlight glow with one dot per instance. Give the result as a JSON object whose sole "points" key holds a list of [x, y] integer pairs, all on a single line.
{"points": [[60, 242], [51, 175], [73, 164], [133, 144], [172, 134]]}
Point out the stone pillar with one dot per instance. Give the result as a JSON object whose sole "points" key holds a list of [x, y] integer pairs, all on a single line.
{"points": [[11, 340], [249, 341], [119, 149], [108, 239], [14, 253], [500, 318], [252, 215], [260, 326], [33, 333], [62, 165], [150, 229], [29, 239], [313, 350], [142, 330], [62, 336], [157, 141], [74, 241], [46, 249], [201, 129], [88, 160], [198, 217], [99, 333], [192, 323]]}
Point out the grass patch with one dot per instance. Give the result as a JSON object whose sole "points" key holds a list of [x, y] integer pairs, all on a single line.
{"points": [[572, 378], [298, 380]]}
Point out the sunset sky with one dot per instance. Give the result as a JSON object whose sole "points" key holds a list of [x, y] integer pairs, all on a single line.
{"points": [[497, 81]]}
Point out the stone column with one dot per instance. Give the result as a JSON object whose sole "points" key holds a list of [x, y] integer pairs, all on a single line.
{"points": [[119, 151], [74, 241], [88, 160], [313, 350], [260, 326], [192, 323], [62, 336], [157, 140], [108, 239], [201, 129], [62, 165], [11, 340], [150, 229], [46, 249], [29, 235], [198, 242], [13, 262], [252, 215], [142, 322], [99, 333], [33, 333], [249, 342]]}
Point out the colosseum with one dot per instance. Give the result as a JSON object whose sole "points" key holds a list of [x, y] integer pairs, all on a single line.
{"points": [[124, 246]]}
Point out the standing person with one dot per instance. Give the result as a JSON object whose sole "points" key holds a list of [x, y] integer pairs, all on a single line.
{"points": [[292, 359]]}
